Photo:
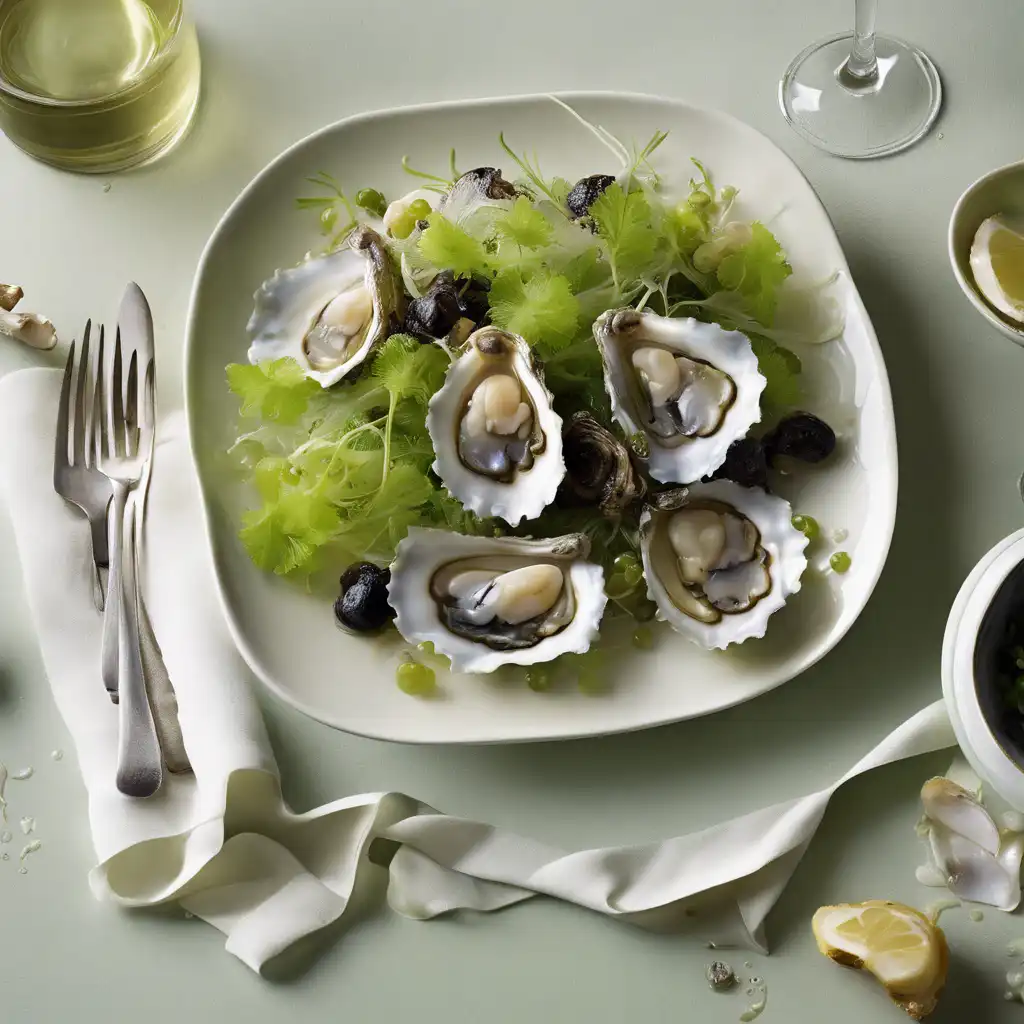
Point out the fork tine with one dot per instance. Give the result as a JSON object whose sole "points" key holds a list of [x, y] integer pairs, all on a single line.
{"points": [[60, 451], [115, 403], [97, 441], [81, 384]]}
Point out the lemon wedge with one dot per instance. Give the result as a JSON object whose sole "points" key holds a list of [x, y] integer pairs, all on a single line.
{"points": [[905, 951], [997, 262]]}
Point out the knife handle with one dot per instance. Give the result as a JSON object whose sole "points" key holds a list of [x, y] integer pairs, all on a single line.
{"points": [[139, 761]]}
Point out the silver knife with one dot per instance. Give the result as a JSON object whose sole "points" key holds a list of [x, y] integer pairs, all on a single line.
{"points": [[135, 324]]}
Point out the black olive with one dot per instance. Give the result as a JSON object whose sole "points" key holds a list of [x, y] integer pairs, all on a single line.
{"points": [[363, 604], [585, 192], [745, 464], [801, 436], [433, 315]]}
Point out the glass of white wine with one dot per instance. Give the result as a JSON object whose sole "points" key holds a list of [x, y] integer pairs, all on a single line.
{"points": [[859, 94], [97, 85]]}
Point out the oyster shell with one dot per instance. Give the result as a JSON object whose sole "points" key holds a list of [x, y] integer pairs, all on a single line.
{"points": [[691, 388], [599, 469], [973, 858], [497, 440], [719, 560], [487, 601], [330, 311]]}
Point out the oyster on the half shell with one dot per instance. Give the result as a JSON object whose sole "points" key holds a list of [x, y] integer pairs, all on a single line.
{"points": [[497, 440], [720, 559], [689, 387], [330, 311], [485, 602]]}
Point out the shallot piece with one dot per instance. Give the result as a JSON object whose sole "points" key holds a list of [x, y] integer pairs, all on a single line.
{"points": [[10, 296], [29, 328]]}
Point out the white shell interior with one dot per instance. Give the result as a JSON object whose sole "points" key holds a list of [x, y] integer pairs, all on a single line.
{"points": [[527, 494], [289, 303], [729, 351], [783, 542], [424, 551]]}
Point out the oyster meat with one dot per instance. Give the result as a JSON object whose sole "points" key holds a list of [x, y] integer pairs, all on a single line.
{"points": [[720, 559], [497, 440], [330, 311], [487, 601], [691, 388]]}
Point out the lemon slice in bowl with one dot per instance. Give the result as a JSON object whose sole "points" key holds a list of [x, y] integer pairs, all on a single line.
{"points": [[904, 950], [997, 262]]}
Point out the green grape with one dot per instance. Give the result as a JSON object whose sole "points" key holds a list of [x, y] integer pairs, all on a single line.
{"points": [[633, 575], [645, 610], [840, 562], [643, 638], [419, 209], [372, 201], [403, 225], [538, 678], [615, 585], [625, 561], [426, 647], [807, 525], [699, 199], [328, 218], [415, 679]]}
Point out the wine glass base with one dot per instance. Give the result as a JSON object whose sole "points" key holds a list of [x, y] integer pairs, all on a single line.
{"points": [[860, 120]]}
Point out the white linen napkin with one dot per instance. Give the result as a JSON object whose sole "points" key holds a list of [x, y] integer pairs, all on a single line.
{"points": [[224, 843], [221, 840], [447, 863]]}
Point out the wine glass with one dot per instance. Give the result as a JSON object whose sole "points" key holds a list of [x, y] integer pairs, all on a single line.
{"points": [[861, 95]]}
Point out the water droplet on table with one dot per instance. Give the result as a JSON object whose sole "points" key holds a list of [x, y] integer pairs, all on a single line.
{"points": [[6, 836], [27, 825], [22, 774], [57, 755]]}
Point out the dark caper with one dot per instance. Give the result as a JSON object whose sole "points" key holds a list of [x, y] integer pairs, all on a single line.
{"points": [[801, 436], [745, 463], [433, 315], [585, 193], [363, 604]]}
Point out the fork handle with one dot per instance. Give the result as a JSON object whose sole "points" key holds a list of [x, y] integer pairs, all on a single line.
{"points": [[115, 587], [139, 761]]}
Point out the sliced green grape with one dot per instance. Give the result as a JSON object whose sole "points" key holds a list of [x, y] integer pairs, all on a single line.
{"points": [[538, 678], [807, 525], [633, 575], [403, 225], [415, 679], [419, 209], [372, 201], [840, 562], [625, 561]]}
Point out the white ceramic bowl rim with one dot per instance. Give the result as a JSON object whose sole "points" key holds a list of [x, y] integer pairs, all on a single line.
{"points": [[959, 684], [967, 286]]}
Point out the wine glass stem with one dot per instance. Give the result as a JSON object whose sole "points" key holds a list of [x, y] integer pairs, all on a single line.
{"points": [[861, 64]]}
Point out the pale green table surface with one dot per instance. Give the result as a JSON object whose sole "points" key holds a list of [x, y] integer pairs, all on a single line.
{"points": [[275, 71]]}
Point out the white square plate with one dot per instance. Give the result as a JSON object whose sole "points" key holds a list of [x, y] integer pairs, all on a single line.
{"points": [[288, 636]]}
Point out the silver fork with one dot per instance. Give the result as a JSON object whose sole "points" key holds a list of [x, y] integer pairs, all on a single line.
{"points": [[125, 445], [76, 477]]}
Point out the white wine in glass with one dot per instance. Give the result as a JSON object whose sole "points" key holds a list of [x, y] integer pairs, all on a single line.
{"points": [[859, 94]]}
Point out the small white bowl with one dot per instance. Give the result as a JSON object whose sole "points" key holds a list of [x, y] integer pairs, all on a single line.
{"points": [[975, 630], [1000, 191]]}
